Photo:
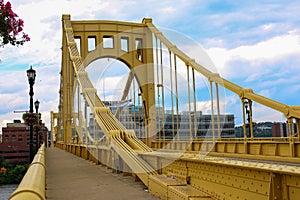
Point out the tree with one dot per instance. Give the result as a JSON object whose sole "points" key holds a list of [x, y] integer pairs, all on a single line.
{"points": [[11, 26]]}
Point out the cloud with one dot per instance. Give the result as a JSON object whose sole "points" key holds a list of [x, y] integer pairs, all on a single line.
{"points": [[262, 114], [255, 44], [11, 102], [269, 67], [272, 49]]}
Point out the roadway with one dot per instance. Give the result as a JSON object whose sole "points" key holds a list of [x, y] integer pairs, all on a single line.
{"points": [[72, 177]]}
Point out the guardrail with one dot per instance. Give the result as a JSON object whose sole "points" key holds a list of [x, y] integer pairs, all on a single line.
{"points": [[33, 183]]}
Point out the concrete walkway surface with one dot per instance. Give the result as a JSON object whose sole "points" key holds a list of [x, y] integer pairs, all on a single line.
{"points": [[72, 177]]}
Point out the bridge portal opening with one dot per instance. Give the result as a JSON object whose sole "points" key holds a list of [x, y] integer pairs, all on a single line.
{"points": [[118, 88]]}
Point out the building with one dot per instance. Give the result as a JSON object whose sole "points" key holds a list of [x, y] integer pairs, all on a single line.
{"points": [[280, 129], [169, 125], [180, 125], [15, 141]]}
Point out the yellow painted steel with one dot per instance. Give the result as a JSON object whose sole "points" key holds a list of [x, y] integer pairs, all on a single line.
{"points": [[272, 149], [169, 175], [74, 63], [54, 127], [33, 183], [112, 128], [290, 112], [195, 176]]}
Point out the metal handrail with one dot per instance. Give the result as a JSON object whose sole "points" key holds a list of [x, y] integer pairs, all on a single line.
{"points": [[33, 183]]}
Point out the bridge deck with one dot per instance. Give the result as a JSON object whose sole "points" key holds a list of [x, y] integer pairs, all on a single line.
{"points": [[71, 177]]}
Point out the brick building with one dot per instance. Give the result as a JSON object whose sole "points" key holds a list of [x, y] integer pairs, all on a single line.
{"points": [[280, 129], [15, 141]]}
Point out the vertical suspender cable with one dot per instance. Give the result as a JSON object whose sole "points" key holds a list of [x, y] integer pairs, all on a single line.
{"points": [[68, 100], [189, 102], [134, 109], [176, 88], [127, 120], [85, 114], [158, 92], [250, 118], [95, 129], [244, 119], [78, 101], [212, 111], [298, 128], [80, 124], [291, 137], [143, 129], [162, 92], [171, 94], [195, 108], [218, 110], [139, 112]]}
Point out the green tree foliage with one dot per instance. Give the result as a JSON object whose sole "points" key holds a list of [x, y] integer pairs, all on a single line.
{"points": [[14, 172]]}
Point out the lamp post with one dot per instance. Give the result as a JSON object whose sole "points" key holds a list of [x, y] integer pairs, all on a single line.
{"points": [[247, 112], [36, 105], [31, 78]]}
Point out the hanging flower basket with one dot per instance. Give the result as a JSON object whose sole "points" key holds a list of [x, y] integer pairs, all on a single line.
{"points": [[37, 127], [30, 118]]}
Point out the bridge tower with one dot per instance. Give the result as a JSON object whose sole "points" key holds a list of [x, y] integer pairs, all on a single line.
{"points": [[130, 43], [204, 169]]}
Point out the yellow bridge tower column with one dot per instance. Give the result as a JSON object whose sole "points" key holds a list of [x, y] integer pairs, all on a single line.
{"points": [[145, 75], [67, 74], [138, 57]]}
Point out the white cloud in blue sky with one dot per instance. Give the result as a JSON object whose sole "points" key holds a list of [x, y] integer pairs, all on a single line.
{"points": [[255, 44]]}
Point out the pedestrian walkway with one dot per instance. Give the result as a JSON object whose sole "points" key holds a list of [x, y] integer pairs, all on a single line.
{"points": [[72, 177]]}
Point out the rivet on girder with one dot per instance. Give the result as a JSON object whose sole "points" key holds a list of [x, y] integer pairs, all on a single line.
{"points": [[270, 166], [292, 169]]}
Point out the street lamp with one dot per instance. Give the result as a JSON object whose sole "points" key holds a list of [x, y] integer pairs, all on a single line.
{"points": [[247, 111], [31, 78], [36, 105]]}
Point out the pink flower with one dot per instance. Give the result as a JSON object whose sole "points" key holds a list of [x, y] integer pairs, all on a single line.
{"points": [[27, 38], [20, 29], [8, 5], [12, 14], [11, 26], [21, 22]]}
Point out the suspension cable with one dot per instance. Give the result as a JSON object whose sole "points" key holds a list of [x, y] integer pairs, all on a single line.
{"points": [[218, 110], [195, 108], [158, 90], [212, 111], [162, 92], [177, 107], [189, 101], [171, 94], [134, 108]]}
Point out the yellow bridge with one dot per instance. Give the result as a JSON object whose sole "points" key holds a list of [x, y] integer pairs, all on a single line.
{"points": [[154, 132]]}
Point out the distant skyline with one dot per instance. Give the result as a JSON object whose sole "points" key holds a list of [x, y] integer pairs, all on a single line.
{"points": [[255, 44]]}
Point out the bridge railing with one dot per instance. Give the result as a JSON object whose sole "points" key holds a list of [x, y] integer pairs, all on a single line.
{"points": [[33, 183]]}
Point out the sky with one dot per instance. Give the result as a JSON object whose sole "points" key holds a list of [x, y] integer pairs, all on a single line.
{"points": [[255, 44]]}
